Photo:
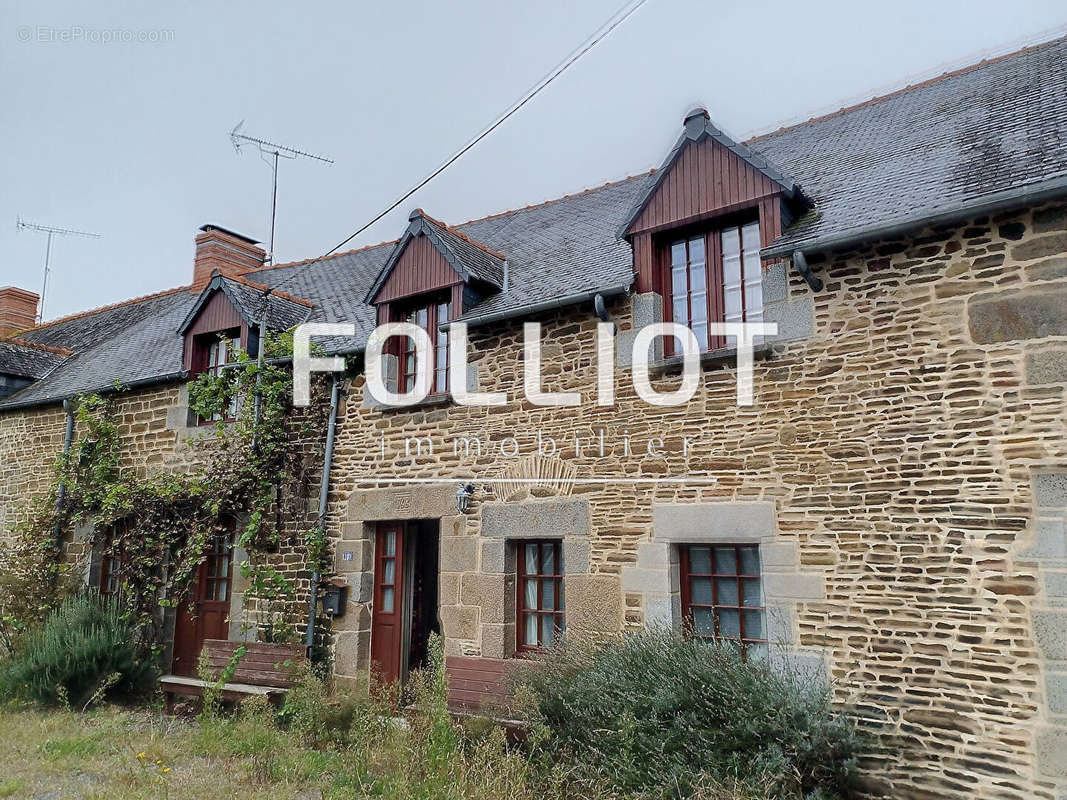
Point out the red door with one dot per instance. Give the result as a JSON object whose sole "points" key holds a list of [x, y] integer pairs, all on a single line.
{"points": [[387, 626], [208, 616]]}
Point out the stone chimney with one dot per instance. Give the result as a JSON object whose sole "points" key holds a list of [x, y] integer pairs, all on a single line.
{"points": [[230, 253], [18, 310]]}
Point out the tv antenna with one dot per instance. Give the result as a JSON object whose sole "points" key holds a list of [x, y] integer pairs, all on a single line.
{"points": [[267, 150], [22, 225]]}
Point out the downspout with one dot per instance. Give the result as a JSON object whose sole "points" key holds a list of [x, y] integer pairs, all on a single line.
{"points": [[262, 346], [801, 263], [61, 492], [601, 309], [324, 494]]}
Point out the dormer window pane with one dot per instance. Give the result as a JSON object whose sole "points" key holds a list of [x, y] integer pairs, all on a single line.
{"points": [[715, 276], [430, 318]]}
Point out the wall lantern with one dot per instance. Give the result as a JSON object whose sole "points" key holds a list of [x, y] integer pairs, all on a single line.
{"points": [[463, 497]]}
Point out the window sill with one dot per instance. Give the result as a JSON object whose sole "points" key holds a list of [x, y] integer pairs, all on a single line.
{"points": [[710, 358], [430, 401]]}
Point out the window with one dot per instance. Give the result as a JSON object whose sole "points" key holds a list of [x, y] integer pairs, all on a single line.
{"points": [[430, 318], [716, 276], [540, 587], [220, 354], [722, 595], [110, 572], [217, 577]]}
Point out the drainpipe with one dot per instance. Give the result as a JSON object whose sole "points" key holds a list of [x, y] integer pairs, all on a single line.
{"points": [[324, 494], [262, 346], [601, 309], [61, 492]]}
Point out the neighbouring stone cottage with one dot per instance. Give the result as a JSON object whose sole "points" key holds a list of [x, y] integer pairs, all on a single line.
{"points": [[889, 514]]}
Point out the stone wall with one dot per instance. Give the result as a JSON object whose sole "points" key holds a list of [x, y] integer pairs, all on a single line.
{"points": [[895, 437], [155, 435]]}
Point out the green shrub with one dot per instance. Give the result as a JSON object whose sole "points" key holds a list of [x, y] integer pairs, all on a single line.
{"points": [[657, 714], [86, 649]]}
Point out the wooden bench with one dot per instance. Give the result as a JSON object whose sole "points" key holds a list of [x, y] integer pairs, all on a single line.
{"points": [[481, 687], [265, 669]]}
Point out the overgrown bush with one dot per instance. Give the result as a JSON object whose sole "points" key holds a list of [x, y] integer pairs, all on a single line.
{"points": [[657, 714], [87, 648]]}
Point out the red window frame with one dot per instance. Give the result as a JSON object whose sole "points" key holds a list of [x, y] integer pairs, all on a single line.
{"points": [[110, 570], [209, 346], [531, 605], [714, 589], [696, 267], [429, 317]]}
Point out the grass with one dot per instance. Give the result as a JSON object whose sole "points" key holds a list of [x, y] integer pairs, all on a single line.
{"points": [[117, 752]]}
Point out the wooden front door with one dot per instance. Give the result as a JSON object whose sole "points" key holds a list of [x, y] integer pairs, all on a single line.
{"points": [[387, 621], [207, 616]]}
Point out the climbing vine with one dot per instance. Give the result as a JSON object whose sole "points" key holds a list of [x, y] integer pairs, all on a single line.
{"points": [[254, 473]]}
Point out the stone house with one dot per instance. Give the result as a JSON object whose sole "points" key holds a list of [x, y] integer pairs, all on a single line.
{"points": [[889, 514]]}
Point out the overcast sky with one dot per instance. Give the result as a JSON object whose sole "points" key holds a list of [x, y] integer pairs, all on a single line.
{"points": [[129, 139]]}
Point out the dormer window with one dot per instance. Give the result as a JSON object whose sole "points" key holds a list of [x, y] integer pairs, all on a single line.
{"points": [[430, 318], [217, 354], [715, 275]]}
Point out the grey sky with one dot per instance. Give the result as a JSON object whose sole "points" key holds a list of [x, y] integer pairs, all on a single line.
{"points": [[130, 139]]}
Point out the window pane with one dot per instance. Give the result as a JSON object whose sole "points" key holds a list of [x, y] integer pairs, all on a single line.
{"points": [[729, 623], [548, 556], [753, 302], [753, 624], [727, 589], [221, 590], [387, 600], [750, 237], [700, 560], [678, 254], [701, 591], [756, 651], [699, 303], [731, 244], [703, 622], [548, 595], [531, 559], [733, 310], [701, 332], [389, 571], [529, 635], [678, 283], [681, 310], [749, 560], [390, 543], [725, 561], [750, 591], [548, 630], [530, 595], [696, 250]]}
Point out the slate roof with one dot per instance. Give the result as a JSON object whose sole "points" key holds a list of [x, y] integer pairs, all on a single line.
{"points": [[472, 261], [283, 312], [984, 129], [28, 361], [995, 126]]}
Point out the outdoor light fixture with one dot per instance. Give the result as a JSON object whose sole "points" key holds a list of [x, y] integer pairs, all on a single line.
{"points": [[463, 497]]}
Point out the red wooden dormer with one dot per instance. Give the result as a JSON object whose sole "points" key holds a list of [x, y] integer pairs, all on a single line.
{"points": [[434, 274], [698, 229]]}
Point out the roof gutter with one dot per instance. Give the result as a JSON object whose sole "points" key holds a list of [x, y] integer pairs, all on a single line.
{"points": [[547, 305], [940, 215], [110, 388]]}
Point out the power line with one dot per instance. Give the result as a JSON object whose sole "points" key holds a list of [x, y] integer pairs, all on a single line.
{"points": [[592, 41]]}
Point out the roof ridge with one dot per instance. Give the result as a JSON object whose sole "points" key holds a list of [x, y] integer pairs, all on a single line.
{"points": [[110, 307], [985, 62], [276, 292], [559, 199], [320, 258], [464, 236], [59, 351]]}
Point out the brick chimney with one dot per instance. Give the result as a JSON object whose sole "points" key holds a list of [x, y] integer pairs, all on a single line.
{"points": [[18, 310], [228, 252]]}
